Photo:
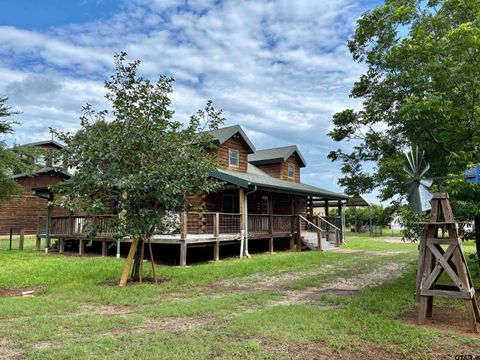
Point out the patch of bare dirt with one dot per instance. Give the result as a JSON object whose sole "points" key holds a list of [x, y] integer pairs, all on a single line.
{"points": [[319, 351], [341, 286], [26, 291], [346, 251], [9, 352], [98, 309], [147, 280], [387, 253], [444, 318], [175, 325], [262, 282], [394, 240]]}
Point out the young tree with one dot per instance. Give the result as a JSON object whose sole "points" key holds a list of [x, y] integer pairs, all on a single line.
{"points": [[19, 158], [421, 87], [140, 163]]}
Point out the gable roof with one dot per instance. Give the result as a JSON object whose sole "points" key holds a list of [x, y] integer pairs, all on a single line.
{"points": [[223, 134], [256, 177], [275, 155], [43, 171], [47, 142]]}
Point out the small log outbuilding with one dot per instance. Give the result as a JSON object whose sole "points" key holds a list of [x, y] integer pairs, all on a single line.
{"points": [[22, 211]]}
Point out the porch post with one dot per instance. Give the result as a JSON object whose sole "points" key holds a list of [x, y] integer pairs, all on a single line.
{"points": [[270, 223], [344, 207], [340, 214], [241, 209], [310, 208], [47, 224]]}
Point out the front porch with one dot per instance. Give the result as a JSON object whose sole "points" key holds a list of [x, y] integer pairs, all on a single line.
{"points": [[206, 229]]}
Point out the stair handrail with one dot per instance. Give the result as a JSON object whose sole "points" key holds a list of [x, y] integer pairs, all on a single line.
{"points": [[311, 223], [329, 223]]}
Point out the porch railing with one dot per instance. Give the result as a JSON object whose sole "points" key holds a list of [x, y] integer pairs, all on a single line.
{"points": [[191, 223]]}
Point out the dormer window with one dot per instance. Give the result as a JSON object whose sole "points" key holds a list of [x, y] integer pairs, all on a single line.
{"points": [[233, 158], [40, 160], [291, 171]]}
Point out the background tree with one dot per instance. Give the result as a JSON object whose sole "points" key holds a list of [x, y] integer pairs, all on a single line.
{"points": [[140, 163], [359, 217], [16, 158], [421, 87]]}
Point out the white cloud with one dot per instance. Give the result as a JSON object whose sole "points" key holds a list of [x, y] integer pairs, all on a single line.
{"points": [[279, 68]]}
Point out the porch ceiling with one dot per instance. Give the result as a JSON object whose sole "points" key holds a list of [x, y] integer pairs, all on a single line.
{"points": [[263, 181]]}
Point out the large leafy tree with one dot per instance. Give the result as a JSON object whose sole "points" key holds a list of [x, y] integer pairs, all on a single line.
{"points": [[136, 160], [421, 87], [16, 158]]}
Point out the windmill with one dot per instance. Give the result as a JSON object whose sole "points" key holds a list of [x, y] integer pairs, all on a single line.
{"points": [[418, 195], [433, 258]]}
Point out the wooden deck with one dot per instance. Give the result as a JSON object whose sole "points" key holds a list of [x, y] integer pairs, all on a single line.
{"points": [[196, 229]]}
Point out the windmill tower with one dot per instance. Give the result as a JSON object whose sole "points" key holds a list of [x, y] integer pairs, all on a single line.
{"points": [[438, 255]]}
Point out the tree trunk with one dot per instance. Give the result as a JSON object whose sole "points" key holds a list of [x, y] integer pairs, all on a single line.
{"points": [[137, 264], [477, 235]]}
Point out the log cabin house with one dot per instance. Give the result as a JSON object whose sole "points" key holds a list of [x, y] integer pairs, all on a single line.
{"points": [[262, 197], [22, 211]]}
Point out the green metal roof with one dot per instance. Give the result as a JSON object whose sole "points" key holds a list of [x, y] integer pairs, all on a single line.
{"points": [[263, 181], [223, 134], [275, 155]]}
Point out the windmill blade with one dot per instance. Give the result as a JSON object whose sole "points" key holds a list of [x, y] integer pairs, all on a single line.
{"points": [[408, 170], [418, 195], [410, 161], [426, 182], [423, 172]]}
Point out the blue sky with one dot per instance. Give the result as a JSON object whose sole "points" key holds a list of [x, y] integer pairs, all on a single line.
{"points": [[279, 68]]}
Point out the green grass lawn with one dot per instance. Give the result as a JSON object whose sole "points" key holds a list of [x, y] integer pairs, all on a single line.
{"points": [[266, 307]]}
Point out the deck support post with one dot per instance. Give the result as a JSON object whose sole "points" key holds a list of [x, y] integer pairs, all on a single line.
{"points": [[38, 242], [22, 239], [183, 253], [270, 245], [61, 246], [118, 248], [81, 247], [270, 223], [292, 243], [216, 251], [104, 248]]}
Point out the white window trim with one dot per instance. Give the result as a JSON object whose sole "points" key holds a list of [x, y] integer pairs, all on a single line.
{"points": [[288, 170], [229, 158]]}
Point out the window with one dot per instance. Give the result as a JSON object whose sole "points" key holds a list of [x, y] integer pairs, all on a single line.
{"points": [[233, 157], [291, 171], [57, 159], [40, 160]]}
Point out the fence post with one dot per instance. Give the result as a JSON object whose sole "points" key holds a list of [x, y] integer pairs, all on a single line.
{"points": [[22, 239]]}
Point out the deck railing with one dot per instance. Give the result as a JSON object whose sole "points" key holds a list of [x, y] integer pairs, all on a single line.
{"points": [[191, 222]]}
